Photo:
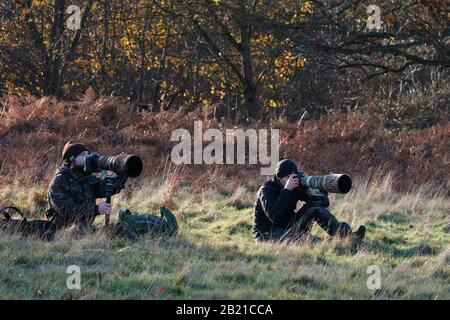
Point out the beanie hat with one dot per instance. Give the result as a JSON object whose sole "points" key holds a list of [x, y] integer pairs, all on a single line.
{"points": [[285, 167], [72, 150]]}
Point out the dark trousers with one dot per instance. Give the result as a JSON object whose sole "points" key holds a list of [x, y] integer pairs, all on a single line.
{"points": [[303, 223], [83, 223]]}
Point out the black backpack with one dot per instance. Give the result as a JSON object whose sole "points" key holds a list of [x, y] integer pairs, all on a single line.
{"points": [[42, 229]]}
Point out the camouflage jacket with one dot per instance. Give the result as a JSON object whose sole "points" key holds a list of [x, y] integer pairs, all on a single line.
{"points": [[72, 195]]}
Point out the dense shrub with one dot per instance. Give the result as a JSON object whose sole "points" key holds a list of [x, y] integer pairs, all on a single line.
{"points": [[34, 131]]}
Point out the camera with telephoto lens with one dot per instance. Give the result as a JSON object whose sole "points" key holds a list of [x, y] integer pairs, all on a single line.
{"points": [[317, 187], [124, 165], [335, 183]]}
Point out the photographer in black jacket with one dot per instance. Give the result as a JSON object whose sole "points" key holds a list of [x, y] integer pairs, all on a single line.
{"points": [[275, 217]]}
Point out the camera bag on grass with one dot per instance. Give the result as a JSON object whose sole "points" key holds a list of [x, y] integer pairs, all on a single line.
{"points": [[40, 228], [129, 226], [149, 223]]}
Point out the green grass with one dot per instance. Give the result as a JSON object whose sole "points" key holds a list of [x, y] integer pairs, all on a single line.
{"points": [[215, 257]]}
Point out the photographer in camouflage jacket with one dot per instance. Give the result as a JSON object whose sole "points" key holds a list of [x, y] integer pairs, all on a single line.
{"points": [[72, 192]]}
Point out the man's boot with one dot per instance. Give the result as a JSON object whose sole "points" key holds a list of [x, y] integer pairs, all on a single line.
{"points": [[360, 233]]}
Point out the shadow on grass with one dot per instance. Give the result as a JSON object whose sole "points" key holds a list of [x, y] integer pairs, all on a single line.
{"points": [[394, 217], [422, 249]]}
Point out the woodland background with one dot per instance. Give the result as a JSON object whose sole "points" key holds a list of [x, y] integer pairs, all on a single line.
{"points": [[347, 97]]}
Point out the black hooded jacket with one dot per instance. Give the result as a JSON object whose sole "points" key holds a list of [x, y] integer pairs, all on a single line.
{"points": [[275, 206]]}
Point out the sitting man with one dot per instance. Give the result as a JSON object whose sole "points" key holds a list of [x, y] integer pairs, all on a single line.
{"points": [[72, 193], [275, 217]]}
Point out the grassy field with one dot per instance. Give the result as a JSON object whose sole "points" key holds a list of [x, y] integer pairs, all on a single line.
{"points": [[215, 256]]}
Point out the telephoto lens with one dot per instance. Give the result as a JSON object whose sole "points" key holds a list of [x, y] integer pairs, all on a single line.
{"points": [[123, 164], [336, 183]]}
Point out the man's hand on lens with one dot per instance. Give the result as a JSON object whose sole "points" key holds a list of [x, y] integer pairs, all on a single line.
{"points": [[292, 182], [105, 208]]}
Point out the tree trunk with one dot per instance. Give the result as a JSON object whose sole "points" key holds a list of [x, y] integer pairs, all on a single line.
{"points": [[250, 89]]}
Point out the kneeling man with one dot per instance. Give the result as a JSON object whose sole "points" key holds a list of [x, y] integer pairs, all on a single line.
{"points": [[275, 218]]}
